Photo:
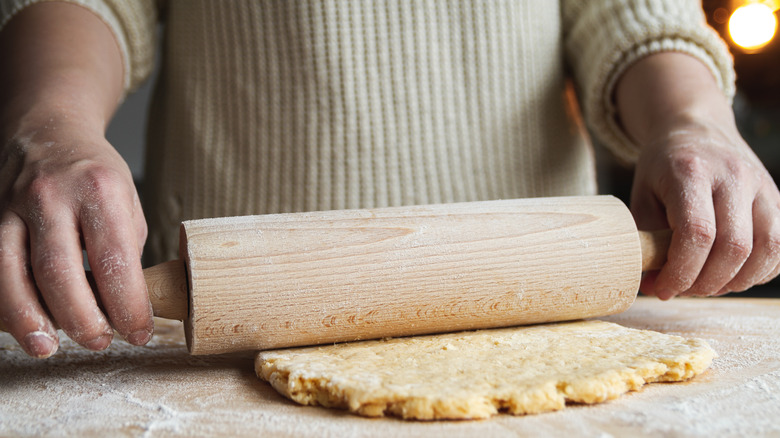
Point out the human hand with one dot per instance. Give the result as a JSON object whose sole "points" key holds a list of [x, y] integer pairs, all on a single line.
{"points": [[64, 188], [696, 175], [701, 179]]}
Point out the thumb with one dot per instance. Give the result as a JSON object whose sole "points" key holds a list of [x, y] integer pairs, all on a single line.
{"points": [[649, 215]]}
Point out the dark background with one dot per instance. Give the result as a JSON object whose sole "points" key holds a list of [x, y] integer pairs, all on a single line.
{"points": [[756, 106]]}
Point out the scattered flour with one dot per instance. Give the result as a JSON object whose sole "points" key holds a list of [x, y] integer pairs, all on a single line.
{"points": [[160, 390]]}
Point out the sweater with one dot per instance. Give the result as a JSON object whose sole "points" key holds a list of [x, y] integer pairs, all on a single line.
{"points": [[284, 106]]}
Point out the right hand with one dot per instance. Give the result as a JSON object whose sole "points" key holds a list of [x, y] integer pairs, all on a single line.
{"points": [[64, 188]]}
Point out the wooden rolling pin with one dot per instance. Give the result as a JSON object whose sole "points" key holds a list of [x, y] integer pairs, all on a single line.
{"points": [[272, 281]]}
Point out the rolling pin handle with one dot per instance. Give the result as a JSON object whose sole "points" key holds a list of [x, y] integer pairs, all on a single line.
{"points": [[167, 286], [654, 245]]}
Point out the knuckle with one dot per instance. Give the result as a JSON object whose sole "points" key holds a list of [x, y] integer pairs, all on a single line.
{"points": [[738, 248], [770, 244], [738, 169], [101, 183], [41, 189], [690, 165], [36, 199], [698, 232]]}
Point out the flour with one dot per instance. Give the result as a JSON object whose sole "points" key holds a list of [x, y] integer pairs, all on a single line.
{"points": [[160, 390], [741, 394]]}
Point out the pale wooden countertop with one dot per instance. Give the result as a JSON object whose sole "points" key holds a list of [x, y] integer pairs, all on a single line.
{"points": [[160, 390]]}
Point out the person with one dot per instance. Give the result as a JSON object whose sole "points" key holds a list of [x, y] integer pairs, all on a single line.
{"points": [[273, 106]]}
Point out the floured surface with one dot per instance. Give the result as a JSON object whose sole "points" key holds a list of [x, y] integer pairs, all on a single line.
{"points": [[476, 374], [161, 391]]}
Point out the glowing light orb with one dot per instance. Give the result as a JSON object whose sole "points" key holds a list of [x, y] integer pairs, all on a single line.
{"points": [[752, 26]]}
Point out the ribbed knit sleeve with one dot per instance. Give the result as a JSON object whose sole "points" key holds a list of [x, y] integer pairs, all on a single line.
{"points": [[603, 38], [133, 23]]}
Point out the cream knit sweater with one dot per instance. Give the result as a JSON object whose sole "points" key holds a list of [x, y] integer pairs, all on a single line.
{"points": [[280, 106]]}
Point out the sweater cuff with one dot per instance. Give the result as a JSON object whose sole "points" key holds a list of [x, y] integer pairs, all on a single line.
{"points": [[615, 43]]}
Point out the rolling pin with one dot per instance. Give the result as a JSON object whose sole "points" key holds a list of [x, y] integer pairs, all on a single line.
{"points": [[285, 280]]}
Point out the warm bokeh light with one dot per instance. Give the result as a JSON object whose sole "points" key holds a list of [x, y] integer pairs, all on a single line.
{"points": [[752, 26]]}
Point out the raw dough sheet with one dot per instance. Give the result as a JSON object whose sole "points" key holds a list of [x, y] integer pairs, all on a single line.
{"points": [[468, 375]]}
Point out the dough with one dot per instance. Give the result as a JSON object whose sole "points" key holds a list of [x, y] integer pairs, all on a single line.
{"points": [[521, 370]]}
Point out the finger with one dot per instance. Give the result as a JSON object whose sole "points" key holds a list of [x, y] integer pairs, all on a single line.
{"points": [[772, 275], [733, 240], [142, 231], [721, 293], [112, 250], [691, 215], [56, 258], [765, 256], [648, 214], [647, 210], [21, 313], [647, 283]]}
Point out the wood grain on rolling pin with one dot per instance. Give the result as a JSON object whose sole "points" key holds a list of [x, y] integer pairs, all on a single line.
{"points": [[271, 281]]}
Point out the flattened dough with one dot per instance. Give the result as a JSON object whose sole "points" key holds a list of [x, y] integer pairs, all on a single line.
{"points": [[523, 370]]}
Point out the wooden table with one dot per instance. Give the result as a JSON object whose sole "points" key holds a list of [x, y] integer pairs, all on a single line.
{"points": [[159, 390]]}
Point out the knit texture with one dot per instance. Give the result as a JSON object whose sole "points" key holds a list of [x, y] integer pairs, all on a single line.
{"points": [[282, 106]]}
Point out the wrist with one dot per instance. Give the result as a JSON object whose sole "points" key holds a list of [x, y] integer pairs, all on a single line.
{"points": [[667, 92], [26, 116], [690, 121]]}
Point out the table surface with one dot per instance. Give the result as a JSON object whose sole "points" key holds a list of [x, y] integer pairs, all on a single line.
{"points": [[160, 390]]}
